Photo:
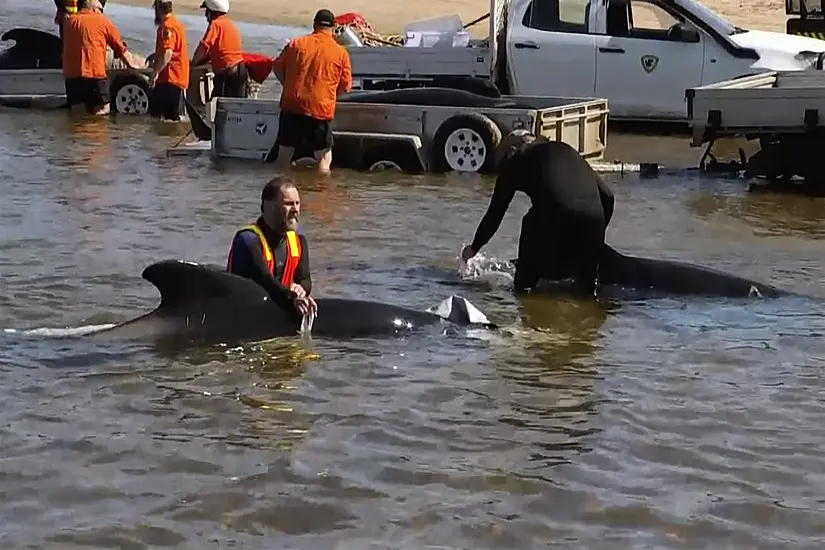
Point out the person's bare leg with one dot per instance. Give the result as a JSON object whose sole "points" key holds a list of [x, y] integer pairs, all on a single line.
{"points": [[284, 159], [102, 109], [324, 157]]}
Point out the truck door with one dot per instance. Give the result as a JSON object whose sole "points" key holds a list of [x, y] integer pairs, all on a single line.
{"points": [[549, 51], [647, 60]]}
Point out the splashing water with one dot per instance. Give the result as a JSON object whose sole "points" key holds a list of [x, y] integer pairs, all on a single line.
{"points": [[480, 265]]}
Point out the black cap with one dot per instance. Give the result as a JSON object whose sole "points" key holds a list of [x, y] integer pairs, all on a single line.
{"points": [[324, 18]]}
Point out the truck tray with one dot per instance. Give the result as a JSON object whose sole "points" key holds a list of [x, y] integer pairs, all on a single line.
{"points": [[774, 102]]}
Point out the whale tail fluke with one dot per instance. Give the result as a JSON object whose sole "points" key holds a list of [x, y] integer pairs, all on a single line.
{"points": [[460, 311]]}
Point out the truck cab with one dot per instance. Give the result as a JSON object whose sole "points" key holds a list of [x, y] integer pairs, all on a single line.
{"points": [[641, 55]]}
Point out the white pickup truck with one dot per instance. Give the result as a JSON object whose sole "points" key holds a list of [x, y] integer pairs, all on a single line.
{"points": [[640, 55]]}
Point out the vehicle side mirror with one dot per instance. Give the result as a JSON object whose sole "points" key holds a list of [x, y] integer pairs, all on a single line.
{"points": [[680, 32]]}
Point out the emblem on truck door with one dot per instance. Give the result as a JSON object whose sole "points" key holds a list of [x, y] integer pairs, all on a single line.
{"points": [[649, 63]]}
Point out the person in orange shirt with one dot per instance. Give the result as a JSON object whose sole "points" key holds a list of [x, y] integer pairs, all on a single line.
{"points": [[86, 35], [314, 70], [221, 47], [170, 73]]}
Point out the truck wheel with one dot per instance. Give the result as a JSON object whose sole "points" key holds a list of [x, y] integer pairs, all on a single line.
{"points": [[130, 95], [465, 143]]}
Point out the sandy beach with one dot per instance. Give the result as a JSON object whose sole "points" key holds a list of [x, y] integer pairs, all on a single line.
{"points": [[389, 17]]}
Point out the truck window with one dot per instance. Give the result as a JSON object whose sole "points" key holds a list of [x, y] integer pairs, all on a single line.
{"points": [[557, 15], [644, 19]]}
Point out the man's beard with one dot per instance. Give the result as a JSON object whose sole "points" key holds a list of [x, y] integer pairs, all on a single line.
{"points": [[291, 224]]}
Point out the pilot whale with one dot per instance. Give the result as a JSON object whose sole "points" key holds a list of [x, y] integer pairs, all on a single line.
{"points": [[674, 278], [678, 278], [33, 49], [202, 304]]}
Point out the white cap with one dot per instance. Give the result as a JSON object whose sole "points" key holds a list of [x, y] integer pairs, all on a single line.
{"points": [[221, 6]]}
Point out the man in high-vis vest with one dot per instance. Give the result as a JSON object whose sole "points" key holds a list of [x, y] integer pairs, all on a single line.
{"points": [[64, 8], [272, 253]]}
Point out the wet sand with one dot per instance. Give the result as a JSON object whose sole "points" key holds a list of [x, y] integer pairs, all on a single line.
{"points": [[390, 17]]}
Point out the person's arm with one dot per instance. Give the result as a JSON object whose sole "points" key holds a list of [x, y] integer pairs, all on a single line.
{"points": [[249, 247], [206, 43], [279, 65], [302, 272], [502, 196], [606, 196], [167, 39], [345, 81], [117, 45]]}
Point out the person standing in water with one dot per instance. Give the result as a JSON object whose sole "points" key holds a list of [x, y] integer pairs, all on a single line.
{"points": [[563, 233], [221, 47], [86, 36], [314, 70], [170, 71]]}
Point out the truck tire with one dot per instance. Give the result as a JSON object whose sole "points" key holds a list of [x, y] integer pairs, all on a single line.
{"points": [[465, 143], [129, 95]]}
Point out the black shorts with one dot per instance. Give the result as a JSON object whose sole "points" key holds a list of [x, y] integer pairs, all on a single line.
{"points": [[231, 82], [92, 92], [304, 133], [165, 101]]}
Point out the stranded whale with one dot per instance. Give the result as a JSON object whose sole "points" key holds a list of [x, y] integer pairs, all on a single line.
{"points": [[205, 304], [678, 278]]}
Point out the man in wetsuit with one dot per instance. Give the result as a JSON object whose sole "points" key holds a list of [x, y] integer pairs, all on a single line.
{"points": [[562, 235], [272, 253]]}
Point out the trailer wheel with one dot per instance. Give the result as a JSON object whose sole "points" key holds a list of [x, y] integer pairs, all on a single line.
{"points": [[391, 156], [465, 143], [130, 95]]}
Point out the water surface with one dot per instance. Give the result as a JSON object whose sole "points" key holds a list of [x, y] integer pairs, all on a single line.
{"points": [[637, 424]]}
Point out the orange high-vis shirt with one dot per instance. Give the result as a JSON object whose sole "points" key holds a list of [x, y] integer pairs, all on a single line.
{"points": [[223, 42], [315, 69], [86, 35], [172, 36]]}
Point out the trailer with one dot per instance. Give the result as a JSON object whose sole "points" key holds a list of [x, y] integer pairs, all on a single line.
{"points": [[128, 89], [30, 76], [414, 137], [784, 111]]}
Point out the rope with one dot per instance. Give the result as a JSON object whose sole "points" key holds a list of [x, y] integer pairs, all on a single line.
{"points": [[369, 37]]}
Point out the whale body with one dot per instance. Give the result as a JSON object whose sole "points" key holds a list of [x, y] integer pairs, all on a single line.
{"points": [[203, 304]]}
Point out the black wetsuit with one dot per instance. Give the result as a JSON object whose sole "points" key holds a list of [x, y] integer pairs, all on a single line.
{"points": [[562, 235], [248, 261]]}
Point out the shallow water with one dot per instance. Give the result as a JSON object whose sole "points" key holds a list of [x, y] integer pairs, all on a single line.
{"points": [[637, 424]]}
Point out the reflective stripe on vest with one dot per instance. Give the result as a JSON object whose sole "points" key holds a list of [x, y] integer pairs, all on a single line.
{"points": [[293, 254], [70, 6]]}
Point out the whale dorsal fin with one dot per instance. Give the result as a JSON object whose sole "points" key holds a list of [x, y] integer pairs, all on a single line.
{"points": [[184, 283]]}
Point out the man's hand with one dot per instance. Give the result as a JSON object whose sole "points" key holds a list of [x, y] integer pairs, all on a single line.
{"points": [[313, 307], [467, 252], [153, 80], [298, 290], [129, 61], [305, 305]]}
